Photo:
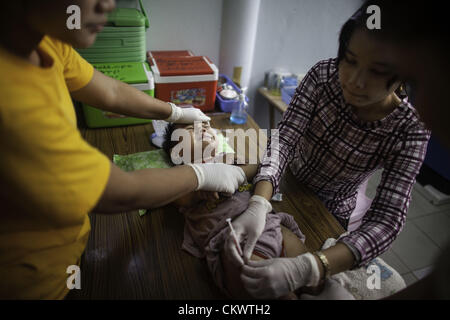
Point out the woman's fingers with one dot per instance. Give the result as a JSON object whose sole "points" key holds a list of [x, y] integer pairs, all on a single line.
{"points": [[232, 253]]}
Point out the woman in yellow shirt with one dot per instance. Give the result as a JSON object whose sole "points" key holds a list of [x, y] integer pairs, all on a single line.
{"points": [[50, 178]]}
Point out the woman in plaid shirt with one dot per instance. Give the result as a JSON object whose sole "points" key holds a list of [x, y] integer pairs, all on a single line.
{"points": [[344, 122]]}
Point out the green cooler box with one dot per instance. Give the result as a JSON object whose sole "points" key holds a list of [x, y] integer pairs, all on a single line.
{"points": [[122, 39], [138, 75]]}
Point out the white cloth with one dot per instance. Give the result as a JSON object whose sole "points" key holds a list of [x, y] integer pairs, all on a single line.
{"points": [[332, 290], [362, 282]]}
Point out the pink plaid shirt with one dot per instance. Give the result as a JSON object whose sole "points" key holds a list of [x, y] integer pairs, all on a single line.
{"points": [[332, 152]]}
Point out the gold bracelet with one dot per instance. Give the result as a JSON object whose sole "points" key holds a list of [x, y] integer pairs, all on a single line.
{"points": [[326, 265]]}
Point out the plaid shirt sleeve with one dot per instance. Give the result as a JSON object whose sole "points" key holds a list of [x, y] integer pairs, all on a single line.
{"points": [[387, 214], [281, 144]]}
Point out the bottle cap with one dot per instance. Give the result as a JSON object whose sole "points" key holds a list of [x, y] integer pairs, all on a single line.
{"points": [[228, 94]]}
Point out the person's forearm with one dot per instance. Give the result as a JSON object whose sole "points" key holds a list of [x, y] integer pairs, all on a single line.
{"points": [[112, 95], [340, 258], [133, 102], [143, 189], [264, 189], [163, 186]]}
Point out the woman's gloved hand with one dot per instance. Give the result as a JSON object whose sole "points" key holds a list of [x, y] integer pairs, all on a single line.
{"points": [[218, 177], [250, 223], [186, 115], [273, 278]]}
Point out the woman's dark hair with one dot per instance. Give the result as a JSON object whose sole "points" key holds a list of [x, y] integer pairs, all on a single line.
{"points": [[358, 21]]}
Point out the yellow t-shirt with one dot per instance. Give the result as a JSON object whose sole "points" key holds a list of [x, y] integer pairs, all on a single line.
{"points": [[50, 178]]}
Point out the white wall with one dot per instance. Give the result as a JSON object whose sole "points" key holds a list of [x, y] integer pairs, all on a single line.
{"points": [[291, 34], [239, 27], [183, 24], [294, 34]]}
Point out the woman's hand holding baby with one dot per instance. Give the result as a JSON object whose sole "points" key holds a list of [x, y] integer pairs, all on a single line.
{"points": [[273, 278], [251, 223]]}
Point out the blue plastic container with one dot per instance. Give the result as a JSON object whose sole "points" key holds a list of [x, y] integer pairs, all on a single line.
{"points": [[287, 93], [224, 104]]}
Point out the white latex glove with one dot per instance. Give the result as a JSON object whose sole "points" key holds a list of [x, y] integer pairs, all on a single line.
{"points": [[186, 115], [332, 290], [273, 278], [250, 223], [218, 177]]}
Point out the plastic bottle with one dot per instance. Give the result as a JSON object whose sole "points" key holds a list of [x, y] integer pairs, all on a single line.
{"points": [[239, 111]]}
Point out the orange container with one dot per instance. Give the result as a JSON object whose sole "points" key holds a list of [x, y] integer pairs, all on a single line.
{"points": [[189, 80], [168, 53]]}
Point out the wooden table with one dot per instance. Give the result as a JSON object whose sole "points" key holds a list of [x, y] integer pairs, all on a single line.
{"points": [[133, 257], [275, 102]]}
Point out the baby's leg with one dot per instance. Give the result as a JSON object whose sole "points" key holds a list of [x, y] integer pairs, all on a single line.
{"points": [[232, 276], [293, 246]]}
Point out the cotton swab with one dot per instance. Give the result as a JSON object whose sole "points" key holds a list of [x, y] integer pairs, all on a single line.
{"points": [[233, 233]]}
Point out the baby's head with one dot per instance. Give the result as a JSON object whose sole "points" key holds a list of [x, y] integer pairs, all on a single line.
{"points": [[198, 135]]}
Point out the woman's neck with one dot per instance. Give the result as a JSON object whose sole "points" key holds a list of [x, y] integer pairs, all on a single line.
{"points": [[379, 110]]}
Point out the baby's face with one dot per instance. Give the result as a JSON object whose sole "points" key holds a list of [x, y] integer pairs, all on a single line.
{"points": [[202, 137]]}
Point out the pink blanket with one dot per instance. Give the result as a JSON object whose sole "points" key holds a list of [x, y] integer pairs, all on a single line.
{"points": [[206, 230]]}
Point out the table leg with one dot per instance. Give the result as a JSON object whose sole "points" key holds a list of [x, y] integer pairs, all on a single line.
{"points": [[271, 116]]}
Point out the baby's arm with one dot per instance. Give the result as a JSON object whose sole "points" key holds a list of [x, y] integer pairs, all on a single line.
{"points": [[234, 159], [250, 170]]}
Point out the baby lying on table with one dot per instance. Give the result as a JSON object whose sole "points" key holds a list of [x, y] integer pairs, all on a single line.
{"points": [[206, 228]]}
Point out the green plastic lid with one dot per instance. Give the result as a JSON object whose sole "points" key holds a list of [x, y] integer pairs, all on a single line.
{"points": [[128, 17], [128, 72]]}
